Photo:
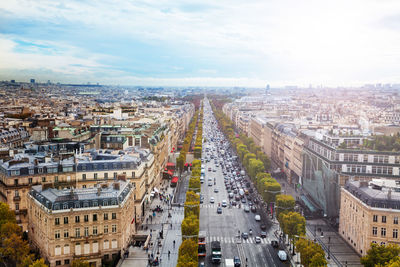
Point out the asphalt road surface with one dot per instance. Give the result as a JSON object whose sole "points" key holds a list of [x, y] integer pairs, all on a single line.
{"points": [[225, 227]]}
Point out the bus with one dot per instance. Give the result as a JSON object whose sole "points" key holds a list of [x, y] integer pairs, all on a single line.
{"points": [[202, 244]]}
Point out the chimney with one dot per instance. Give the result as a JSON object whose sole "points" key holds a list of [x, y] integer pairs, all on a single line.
{"points": [[116, 186]]}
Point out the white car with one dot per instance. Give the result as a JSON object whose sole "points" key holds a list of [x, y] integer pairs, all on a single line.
{"points": [[257, 239], [257, 218], [212, 200], [282, 255], [224, 203]]}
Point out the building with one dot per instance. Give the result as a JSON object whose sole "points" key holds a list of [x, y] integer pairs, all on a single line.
{"points": [[369, 213], [328, 165], [95, 224]]}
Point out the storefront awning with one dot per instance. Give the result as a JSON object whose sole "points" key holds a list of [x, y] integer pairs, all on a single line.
{"points": [[170, 164], [170, 172], [174, 179]]}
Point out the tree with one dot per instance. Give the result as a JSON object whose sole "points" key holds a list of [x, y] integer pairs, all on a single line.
{"points": [[293, 224], [270, 189], [192, 196], [192, 208], [380, 255], [188, 251], [312, 254], [284, 204], [255, 167], [38, 263], [80, 263], [180, 161], [14, 249], [395, 262], [190, 227], [246, 159], [197, 152], [194, 184], [6, 215]]}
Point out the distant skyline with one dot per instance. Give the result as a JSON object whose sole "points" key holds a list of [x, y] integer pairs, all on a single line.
{"points": [[201, 43]]}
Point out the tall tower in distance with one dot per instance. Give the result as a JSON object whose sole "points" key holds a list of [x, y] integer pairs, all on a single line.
{"points": [[32, 80], [267, 90]]}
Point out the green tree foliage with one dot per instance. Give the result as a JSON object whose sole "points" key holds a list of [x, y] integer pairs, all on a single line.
{"points": [[255, 167], [380, 255], [311, 254], [38, 263], [292, 224], [197, 152], [284, 204], [246, 159], [6, 215], [192, 196], [190, 227], [80, 263], [188, 253]]}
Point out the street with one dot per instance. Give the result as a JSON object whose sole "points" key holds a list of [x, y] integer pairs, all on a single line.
{"points": [[228, 226]]}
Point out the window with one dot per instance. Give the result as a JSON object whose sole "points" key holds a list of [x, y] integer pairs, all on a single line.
{"points": [[94, 230], [57, 234], [106, 176], [105, 216], [30, 180], [114, 228], [84, 186], [384, 219], [86, 231], [77, 232], [86, 218], [374, 231], [58, 263], [84, 176], [66, 234], [77, 219], [65, 220], [56, 179], [395, 233], [15, 181], [383, 232], [16, 193], [95, 176], [133, 175], [396, 220], [66, 262], [115, 175], [57, 221], [114, 216], [106, 229], [16, 206], [95, 217], [375, 218], [43, 179]]}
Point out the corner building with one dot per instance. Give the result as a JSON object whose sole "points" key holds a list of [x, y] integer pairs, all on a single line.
{"points": [[95, 224]]}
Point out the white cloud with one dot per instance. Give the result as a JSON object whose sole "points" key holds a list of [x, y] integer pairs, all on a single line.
{"points": [[303, 42]]}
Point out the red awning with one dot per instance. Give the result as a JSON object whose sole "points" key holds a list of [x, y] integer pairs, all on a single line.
{"points": [[186, 164], [190, 164], [170, 172], [174, 179], [170, 164]]}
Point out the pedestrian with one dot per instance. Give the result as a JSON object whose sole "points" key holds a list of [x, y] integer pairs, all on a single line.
{"points": [[173, 243], [169, 254]]}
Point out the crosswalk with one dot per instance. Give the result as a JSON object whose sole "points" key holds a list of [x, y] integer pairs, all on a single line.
{"points": [[234, 240], [214, 206]]}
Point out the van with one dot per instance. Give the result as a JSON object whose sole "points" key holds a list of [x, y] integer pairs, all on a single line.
{"points": [[241, 192], [257, 218], [282, 255]]}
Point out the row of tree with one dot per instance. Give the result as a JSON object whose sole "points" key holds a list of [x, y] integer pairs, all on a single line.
{"points": [[190, 227], [256, 164]]}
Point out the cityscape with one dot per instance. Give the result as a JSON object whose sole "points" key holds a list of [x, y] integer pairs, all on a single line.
{"points": [[199, 133]]}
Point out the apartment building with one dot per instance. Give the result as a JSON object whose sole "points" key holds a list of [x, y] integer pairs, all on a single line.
{"points": [[95, 224], [327, 167], [369, 213]]}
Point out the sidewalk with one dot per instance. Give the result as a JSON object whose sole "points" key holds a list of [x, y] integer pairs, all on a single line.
{"points": [[170, 226]]}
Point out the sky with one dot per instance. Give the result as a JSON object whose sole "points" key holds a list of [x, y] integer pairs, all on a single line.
{"points": [[201, 42]]}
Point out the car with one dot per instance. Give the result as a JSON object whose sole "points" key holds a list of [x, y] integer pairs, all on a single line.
{"points": [[237, 198], [201, 264], [257, 218], [224, 203], [263, 227], [210, 179], [210, 183], [201, 200], [234, 203], [245, 235], [253, 209], [274, 244], [263, 234], [216, 190], [209, 169], [219, 210], [246, 209], [212, 200], [282, 255], [230, 195], [243, 200], [236, 261], [257, 239], [214, 170]]}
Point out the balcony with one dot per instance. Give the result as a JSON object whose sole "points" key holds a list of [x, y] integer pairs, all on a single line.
{"points": [[86, 238], [89, 256], [17, 198], [21, 212]]}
